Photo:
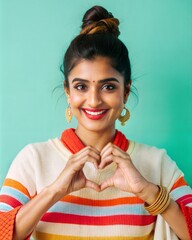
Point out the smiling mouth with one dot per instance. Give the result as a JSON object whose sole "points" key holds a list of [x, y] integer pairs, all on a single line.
{"points": [[95, 114]]}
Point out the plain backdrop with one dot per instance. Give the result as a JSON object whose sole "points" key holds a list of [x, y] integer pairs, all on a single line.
{"points": [[33, 38]]}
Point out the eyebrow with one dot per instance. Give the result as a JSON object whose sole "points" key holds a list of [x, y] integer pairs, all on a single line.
{"points": [[100, 81]]}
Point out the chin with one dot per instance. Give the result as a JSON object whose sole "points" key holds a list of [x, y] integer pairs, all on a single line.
{"points": [[98, 127]]}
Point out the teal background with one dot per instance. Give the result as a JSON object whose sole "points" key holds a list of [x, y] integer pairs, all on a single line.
{"points": [[33, 37]]}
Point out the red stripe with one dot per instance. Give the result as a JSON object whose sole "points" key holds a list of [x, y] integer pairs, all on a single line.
{"points": [[10, 201], [138, 220], [185, 199]]}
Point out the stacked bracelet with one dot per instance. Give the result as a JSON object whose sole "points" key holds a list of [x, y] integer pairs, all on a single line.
{"points": [[160, 204]]}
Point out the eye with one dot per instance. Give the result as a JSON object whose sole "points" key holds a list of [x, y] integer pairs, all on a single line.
{"points": [[109, 87], [80, 87]]}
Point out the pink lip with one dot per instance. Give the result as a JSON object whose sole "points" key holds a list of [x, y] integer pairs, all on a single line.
{"points": [[94, 117]]}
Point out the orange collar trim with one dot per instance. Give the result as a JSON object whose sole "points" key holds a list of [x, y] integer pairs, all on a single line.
{"points": [[73, 143]]}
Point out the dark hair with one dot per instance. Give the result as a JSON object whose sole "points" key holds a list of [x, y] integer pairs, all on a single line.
{"points": [[99, 37]]}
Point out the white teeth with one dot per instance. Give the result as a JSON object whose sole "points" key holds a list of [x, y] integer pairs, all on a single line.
{"points": [[94, 113]]}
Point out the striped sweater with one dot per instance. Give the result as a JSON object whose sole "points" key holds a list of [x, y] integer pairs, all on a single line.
{"points": [[87, 214]]}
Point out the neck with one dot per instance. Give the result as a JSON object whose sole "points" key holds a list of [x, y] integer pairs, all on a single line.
{"points": [[90, 138]]}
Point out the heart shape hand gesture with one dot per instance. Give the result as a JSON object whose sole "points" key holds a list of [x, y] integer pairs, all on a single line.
{"points": [[126, 177]]}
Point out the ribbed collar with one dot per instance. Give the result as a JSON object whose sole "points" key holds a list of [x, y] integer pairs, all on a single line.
{"points": [[73, 143]]}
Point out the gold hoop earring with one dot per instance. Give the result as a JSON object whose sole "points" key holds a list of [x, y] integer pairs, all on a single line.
{"points": [[68, 114], [124, 118]]}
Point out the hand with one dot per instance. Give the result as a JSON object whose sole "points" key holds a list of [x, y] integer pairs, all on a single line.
{"points": [[126, 177], [72, 177]]}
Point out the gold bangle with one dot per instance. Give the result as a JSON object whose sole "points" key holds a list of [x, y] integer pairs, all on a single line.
{"points": [[163, 207], [157, 200], [160, 204]]}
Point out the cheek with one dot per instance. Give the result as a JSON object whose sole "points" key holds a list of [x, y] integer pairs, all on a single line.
{"points": [[117, 104], [115, 100], [75, 100]]}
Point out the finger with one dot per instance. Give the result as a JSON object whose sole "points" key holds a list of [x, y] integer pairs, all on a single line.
{"points": [[111, 158], [88, 156], [92, 148], [84, 156], [111, 145], [90, 184], [113, 149], [93, 154], [91, 160], [106, 153], [106, 184], [106, 148], [88, 149], [79, 163], [76, 165], [106, 161]]}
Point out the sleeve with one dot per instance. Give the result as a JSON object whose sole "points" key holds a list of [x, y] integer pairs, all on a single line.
{"points": [[172, 178], [17, 189], [182, 194]]}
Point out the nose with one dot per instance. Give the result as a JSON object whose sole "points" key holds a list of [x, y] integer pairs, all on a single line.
{"points": [[94, 98]]}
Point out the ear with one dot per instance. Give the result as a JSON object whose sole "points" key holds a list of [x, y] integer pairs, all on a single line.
{"points": [[67, 93], [127, 91]]}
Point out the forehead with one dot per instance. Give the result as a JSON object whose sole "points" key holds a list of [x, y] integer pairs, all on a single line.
{"points": [[95, 69]]}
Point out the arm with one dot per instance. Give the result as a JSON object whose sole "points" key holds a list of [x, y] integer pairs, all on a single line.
{"points": [[22, 219], [29, 215], [128, 178], [172, 215], [71, 179]]}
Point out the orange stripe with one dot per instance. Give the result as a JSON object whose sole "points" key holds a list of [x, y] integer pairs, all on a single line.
{"points": [[17, 185], [179, 183], [108, 202]]}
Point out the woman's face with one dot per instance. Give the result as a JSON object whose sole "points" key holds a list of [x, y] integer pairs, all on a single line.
{"points": [[96, 94]]}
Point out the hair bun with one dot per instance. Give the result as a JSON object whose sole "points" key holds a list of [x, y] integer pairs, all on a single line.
{"points": [[98, 20]]}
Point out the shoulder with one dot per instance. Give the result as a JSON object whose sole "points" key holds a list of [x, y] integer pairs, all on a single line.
{"points": [[33, 152], [144, 150], [155, 164], [33, 149], [42, 152], [151, 155]]}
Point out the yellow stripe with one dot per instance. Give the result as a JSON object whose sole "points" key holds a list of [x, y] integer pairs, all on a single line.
{"points": [[47, 236], [94, 231]]}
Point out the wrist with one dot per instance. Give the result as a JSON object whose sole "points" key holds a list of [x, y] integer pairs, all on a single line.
{"points": [[160, 204], [54, 193], [149, 193]]}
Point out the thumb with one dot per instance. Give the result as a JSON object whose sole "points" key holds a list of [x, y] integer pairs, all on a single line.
{"points": [[106, 184], [94, 186]]}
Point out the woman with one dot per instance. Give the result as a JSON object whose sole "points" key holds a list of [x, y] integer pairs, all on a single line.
{"points": [[94, 183]]}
